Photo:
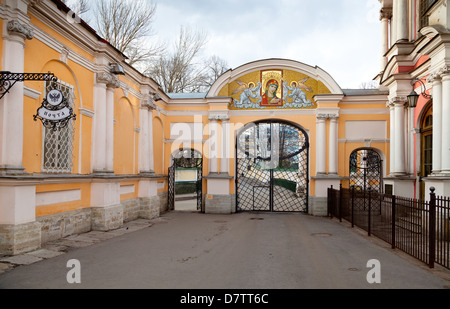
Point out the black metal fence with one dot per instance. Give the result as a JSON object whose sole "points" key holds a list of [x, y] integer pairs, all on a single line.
{"points": [[419, 228]]}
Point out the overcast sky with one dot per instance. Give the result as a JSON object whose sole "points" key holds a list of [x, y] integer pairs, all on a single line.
{"points": [[340, 36]]}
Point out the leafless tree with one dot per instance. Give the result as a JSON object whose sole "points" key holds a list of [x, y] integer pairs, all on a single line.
{"points": [[178, 71], [214, 68], [126, 25], [79, 7]]}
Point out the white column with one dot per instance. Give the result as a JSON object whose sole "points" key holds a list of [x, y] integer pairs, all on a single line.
{"points": [[143, 139], [437, 124], [394, 19], [321, 144], [150, 155], [99, 140], [11, 106], [333, 154], [385, 16], [402, 20], [445, 74], [110, 129], [411, 136], [213, 145], [399, 131], [225, 147], [392, 139]]}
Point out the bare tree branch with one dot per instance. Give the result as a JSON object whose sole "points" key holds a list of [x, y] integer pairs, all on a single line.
{"points": [[126, 25], [178, 71]]}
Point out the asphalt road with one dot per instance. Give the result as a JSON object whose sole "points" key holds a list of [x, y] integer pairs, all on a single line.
{"points": [[184, 250]]}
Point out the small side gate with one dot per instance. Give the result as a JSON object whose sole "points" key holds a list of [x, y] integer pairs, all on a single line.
{"points": [[187, 159], [366, 170]]}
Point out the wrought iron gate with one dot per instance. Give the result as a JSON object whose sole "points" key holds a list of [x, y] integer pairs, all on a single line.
{"points": [[366, 170], [272, 170], [186, 158]]}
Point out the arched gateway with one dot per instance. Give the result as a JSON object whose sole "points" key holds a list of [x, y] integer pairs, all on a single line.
{"points": [[275, 134], [272, 170]]}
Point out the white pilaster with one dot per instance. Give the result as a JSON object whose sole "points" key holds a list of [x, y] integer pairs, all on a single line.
{"points": [[99, 139], [445, 74], [225, 147], [402, 20], [333, 150], [321, 144], [103, 141], [110, 129], [213, 145], [11, 106], [385, 16], [411, 138], [144, 139], [399, 131], [392, 139], [437, 124], [150, 155]]}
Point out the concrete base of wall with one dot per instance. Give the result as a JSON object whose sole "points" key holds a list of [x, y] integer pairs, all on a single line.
{"points": [[318, 206], [18, 239], [163, 202], [107, 218], [61, 225], [220, 204], [150, 208]]}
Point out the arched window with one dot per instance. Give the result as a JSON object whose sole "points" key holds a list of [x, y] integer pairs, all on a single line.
{"points": [[426, 147], [58, 144]]}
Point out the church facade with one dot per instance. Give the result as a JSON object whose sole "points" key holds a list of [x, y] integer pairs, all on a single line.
{"points": [[271, 135]]}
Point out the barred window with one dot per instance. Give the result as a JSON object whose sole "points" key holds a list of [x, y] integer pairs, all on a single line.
{"points": [[57, 147]]}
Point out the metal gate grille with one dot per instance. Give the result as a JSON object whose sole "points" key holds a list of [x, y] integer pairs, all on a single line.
{"points": [[272, 171], [186, 158], [365, 170], [171, 197]]}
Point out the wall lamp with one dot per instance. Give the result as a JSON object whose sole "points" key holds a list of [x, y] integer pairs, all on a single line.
{"points": [[413, 97]]}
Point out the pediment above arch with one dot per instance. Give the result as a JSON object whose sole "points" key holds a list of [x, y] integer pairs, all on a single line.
{"points": [[274, 84]]}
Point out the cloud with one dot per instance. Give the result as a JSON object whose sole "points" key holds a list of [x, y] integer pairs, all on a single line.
{"points": [[342, 37]]}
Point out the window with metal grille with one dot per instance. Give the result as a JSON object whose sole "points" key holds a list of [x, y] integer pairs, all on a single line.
{"points": [[425, 6], [57, 145]]}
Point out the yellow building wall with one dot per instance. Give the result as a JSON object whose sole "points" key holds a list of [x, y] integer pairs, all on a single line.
{"points": [[124, 138], [84, 202], [129, 196]]}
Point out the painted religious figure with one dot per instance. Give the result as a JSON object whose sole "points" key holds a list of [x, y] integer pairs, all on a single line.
{"points": [[249, 91], [272, 94], [297, 94], [274, 89]]}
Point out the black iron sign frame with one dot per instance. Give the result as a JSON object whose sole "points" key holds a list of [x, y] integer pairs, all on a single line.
{"points": [[55, 111]]}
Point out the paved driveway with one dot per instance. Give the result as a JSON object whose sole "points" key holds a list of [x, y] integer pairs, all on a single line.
{"points": [[183, 250]]}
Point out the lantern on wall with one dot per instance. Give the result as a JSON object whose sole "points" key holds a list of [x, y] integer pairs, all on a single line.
{"points": [[413, 97]]}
